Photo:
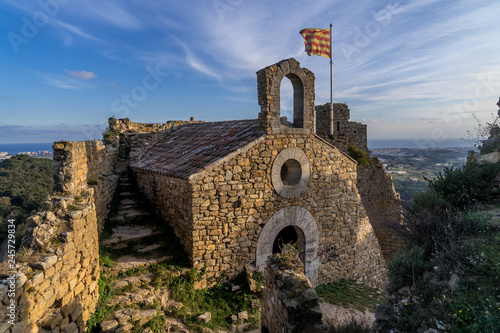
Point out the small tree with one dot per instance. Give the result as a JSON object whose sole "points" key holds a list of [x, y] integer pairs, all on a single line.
{"points": [[108, 132], [485, 137]]}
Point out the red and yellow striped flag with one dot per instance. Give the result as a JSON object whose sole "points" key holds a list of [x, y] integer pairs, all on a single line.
{"points": [[317, 41]]}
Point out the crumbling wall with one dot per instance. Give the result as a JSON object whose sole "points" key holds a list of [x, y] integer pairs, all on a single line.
{"points": [[57, 269], [137, 137], [289, 303], [80, 164], [57, 266], [381, 201], [346, 133], [383, 206]]}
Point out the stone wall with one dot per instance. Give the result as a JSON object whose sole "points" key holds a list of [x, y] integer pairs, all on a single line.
{"points": [[58, 269], [234, 199], [137, 137], [79, 164], [58, 262], [289, 303], [383, 205], [346, 132], [380, 199], [173, 200]]}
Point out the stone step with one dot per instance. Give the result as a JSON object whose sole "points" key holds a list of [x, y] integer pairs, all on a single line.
{"points": [[146, 294], [149, 248], [125, 233], [124, 317], [130, 206], [131, 216], [129, 262], [134, 281], [129, 201]]}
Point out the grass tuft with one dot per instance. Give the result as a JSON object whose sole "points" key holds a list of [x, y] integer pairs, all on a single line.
{"points": [[350, 294]]}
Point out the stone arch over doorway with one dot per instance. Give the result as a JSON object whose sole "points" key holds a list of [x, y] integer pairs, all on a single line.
{"points": [[307, 234]]}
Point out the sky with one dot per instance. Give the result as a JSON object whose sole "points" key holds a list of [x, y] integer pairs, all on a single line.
{"points": [[408, 69]]}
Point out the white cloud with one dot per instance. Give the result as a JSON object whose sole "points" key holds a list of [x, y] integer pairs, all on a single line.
{"points": [[75, 30], [84, 75], [111, 12], [64, 82]]}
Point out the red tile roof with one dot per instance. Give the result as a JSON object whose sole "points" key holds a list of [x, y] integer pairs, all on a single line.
{"points": [[193, 147]]}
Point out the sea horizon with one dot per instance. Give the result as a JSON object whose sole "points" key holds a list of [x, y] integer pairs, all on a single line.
{"points": [[419, 143], [16, 148]]}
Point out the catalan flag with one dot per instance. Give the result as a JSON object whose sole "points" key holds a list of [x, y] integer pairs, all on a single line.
{"points": [[317, 41]]}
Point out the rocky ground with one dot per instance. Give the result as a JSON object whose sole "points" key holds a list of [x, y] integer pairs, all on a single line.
{"points": [[335, 315]]}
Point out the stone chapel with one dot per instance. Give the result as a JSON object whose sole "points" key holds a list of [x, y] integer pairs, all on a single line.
{"points": [[236, 191]]}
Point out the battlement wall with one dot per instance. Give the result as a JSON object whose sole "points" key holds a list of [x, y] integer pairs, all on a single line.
{"points": [[135, 138], [346, 133], [383, 206]]}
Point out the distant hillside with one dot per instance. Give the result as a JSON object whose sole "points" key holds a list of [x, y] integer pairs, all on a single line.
{"points": [[409, 166], [25, 183]]}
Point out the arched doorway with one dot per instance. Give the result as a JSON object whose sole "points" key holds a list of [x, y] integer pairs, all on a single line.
{"points": [[291, 223], [290, 235]]}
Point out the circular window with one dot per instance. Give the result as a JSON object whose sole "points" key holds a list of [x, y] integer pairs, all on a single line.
{"points": [[290, 172]]}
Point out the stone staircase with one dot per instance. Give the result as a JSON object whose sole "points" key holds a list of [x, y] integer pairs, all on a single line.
{"points": [[136, 240]]}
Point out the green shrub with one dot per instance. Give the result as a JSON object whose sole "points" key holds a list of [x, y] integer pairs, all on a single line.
{"points": [[428, 220], [25, 183], [407, 266], [358, 154], [467, 185]]}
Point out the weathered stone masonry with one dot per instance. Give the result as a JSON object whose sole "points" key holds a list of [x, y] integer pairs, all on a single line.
{"points": [[383, 205], [289, 303], [346, 132], [58, 264], [78, 165], [380, 199]]}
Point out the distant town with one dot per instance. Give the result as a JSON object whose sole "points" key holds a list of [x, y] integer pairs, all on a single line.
{"points": [[40, 154]]}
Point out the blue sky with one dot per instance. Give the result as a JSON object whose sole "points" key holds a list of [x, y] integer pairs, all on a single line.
{"points": [[408, 69]]}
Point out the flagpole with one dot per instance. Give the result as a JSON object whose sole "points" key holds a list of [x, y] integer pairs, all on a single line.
{"points": [[331, 83]]}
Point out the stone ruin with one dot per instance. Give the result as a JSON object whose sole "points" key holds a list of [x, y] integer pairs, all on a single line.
{"points": [[235, 192]]}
